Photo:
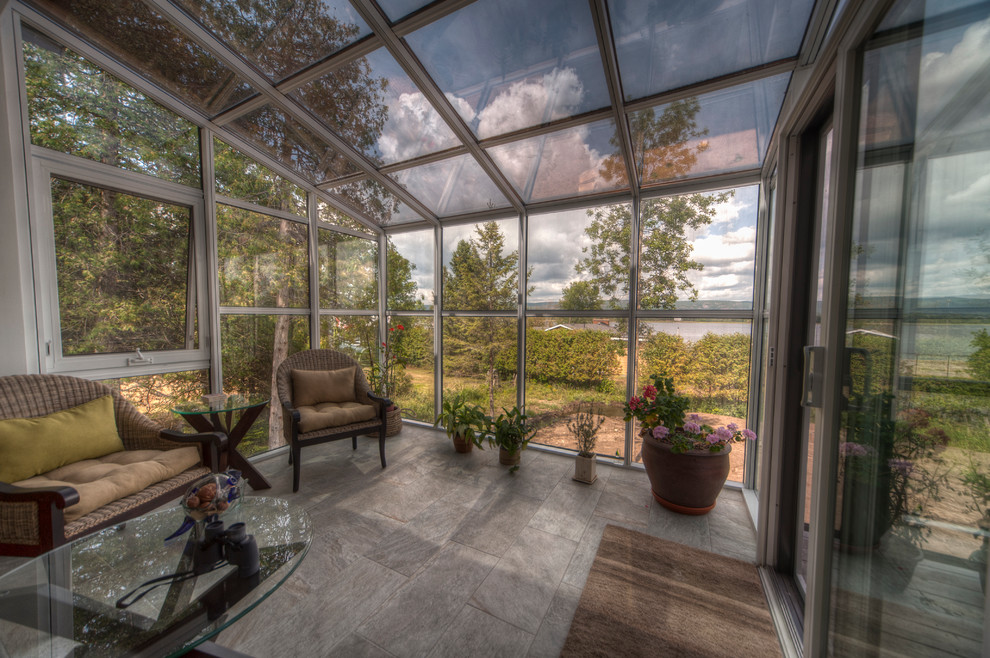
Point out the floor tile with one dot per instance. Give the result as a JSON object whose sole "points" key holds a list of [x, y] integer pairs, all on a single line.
{"points": [[556, 623], [410, 546], [317, 610], [417, 616], [567, 509], [523, 583], [478, 634], [495, 527]]}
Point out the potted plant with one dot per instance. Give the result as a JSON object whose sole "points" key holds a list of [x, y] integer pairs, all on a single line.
{"points": [[385, 376], [510, 432], [687, 462], [464, 423], [915, 472], [584, 426]]}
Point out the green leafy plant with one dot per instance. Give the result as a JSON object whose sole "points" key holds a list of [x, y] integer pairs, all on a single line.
{"points": [[584, 426], [462, 419], [660, 412], [510, 431]]}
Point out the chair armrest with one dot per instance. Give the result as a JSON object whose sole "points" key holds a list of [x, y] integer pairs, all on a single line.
{"points": [[383, 404], [60, 497], [212, 443], [383, 401]]}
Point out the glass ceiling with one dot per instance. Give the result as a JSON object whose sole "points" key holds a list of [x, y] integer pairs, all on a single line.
{"points": [[409, 111]]}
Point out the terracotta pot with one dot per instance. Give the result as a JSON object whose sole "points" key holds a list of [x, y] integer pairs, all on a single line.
{"points": [[461, 444], [507, 458], [689, 482], [584, 469]]}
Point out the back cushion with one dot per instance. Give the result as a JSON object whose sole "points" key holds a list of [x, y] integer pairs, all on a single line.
{"points": [[30, 446], [311, 387]]}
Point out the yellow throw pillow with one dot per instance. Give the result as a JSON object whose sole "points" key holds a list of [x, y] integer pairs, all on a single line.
{"points": [[31, 446], [311, 387]]}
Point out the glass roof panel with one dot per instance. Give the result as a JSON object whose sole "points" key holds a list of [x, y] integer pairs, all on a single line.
{"points": [[905, 12], [722, 131], [581, 160], [286, 140], [396, 9], [141, 38], [376, 202], [664, 45], [453, 186], [512, 64], [281, 37], [78, 108], [375, 106], [331, 215]]}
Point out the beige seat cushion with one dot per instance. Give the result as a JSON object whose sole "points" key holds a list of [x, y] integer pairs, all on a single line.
{"points": [[311, 387], [333, 414], [114, 476]]}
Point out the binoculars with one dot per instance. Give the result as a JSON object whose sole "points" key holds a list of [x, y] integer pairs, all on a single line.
{"points": [[232, 544]]}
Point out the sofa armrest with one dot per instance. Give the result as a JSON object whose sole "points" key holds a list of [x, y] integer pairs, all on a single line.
{"points": [[33, 518], [60, 497], [213, 444]]}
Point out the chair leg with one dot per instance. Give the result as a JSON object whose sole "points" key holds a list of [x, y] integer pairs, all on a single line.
{"points": [[381, 444], [354, 442], [295, 467]]}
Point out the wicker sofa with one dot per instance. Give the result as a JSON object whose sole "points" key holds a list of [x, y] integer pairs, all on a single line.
{"points": [[47, 510]]}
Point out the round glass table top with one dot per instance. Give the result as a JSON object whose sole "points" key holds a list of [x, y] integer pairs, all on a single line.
{"points": [[218, 403], [65, 601]]}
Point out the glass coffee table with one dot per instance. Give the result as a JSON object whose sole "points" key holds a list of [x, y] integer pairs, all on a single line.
{"points": [[65, 601]]}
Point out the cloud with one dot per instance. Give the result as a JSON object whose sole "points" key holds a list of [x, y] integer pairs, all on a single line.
{"points": [[526, 103], [944, 73], [413, 128]]}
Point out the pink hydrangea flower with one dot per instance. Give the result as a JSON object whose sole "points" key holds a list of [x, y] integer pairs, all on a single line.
{"points": [[724, 434], [732, 427], [693, 428], [660, 432], [749, 434], [694, 418], [713, 439]]}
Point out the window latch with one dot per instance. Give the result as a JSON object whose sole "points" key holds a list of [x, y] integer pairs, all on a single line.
{"points": [[139, 360]]}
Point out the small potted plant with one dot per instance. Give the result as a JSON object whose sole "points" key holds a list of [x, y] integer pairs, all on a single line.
{"points": [[687, 462], [465, 424], [510, 432], [584, 426]]}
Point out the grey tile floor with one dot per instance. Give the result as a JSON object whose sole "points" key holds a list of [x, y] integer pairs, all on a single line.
{"points": [[443, 554]]}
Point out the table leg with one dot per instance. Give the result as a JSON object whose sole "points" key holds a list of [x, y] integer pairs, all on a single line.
{"points": [[236, 459]]}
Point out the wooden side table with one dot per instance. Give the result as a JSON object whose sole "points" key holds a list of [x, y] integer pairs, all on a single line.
{"points": [[219, 418]]}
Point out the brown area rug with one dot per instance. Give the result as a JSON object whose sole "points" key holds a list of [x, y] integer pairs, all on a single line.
{"points": [[647, 596]]}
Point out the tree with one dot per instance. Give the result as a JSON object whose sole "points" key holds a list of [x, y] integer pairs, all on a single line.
{"points": [[480, 278], [665, 252], [401, 287], [979, 360], [580, 296]]}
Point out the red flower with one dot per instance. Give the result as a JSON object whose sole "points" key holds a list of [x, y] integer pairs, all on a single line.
{"points": [[391, 328], [634, 402], [649, 391], [401, 327]]}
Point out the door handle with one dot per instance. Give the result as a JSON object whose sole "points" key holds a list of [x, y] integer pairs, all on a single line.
{"points": [[813, 390]]}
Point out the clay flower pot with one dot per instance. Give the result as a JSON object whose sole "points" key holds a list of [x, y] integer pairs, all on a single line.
{"points": [[507, 458], [461, 444], [689, 482]]}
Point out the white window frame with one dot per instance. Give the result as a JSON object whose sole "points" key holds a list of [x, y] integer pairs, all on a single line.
{"points": [[45, 164]]}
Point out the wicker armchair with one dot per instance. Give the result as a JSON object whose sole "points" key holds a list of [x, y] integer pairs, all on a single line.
{"points": [[295, 437], [32, 519]]}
